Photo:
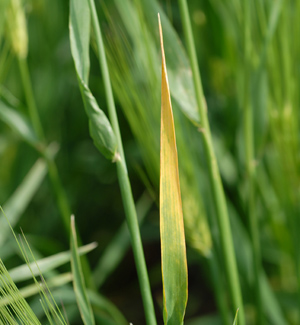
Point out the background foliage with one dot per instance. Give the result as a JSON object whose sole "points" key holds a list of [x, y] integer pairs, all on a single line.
{"points": [[249, 61]]}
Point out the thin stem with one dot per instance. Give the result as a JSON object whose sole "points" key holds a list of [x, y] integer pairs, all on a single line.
{"points": [[33, 112], [214, 174], [250, 167], [124, 182], [60, 194]]}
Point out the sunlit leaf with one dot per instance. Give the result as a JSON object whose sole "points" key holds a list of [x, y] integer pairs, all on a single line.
{"points": [[173, 250]]}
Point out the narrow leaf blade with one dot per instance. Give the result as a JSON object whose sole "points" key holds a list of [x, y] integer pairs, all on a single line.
{"points": [[235, 322], [19, 200], [173, 250], [16, 121], [78, 282]]}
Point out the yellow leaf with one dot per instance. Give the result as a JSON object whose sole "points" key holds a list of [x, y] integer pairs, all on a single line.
{"points": [[173, 250]]}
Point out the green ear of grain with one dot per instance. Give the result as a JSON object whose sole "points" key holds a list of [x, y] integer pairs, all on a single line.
{"points": [[173, 250], [17, 308], [99, 125], [33, 289], [10, 291], [17, 29], [78, 281]]}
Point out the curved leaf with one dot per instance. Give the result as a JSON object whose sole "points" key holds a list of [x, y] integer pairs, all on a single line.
{"points": [[99, 125]]}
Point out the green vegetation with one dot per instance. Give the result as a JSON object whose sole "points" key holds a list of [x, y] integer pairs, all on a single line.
{"points": [[76, 139]]}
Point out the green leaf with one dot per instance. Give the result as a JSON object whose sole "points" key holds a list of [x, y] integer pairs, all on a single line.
{"points": [[99, 125], [173, 250], [78, 281], [18, 123], [79, 26]]}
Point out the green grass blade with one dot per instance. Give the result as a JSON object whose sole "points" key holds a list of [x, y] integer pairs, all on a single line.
{"points": [[79, 26], [78, 281], [23, 195], [235, 322], [16, 121], [173, 250], [100, 128], [21, 273]]}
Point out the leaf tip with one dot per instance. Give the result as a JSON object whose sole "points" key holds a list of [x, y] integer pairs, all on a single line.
{"points": [[161, 36]]}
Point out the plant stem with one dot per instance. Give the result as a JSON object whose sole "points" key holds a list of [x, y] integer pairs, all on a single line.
{"points": [[60, 194], [33, 112], [250, 167], [124, 182], [214, 174]]}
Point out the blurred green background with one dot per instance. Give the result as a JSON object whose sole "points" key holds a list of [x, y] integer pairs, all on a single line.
{"points": [[272, 71]]}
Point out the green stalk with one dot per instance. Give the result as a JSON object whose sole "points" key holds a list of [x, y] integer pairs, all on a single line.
{"points": [[214, 174], [124, 182], [33, 112], [60, 194], [250, 167]]}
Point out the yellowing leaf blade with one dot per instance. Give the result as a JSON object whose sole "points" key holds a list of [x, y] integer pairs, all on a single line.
{"points": [[173, 250]]}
